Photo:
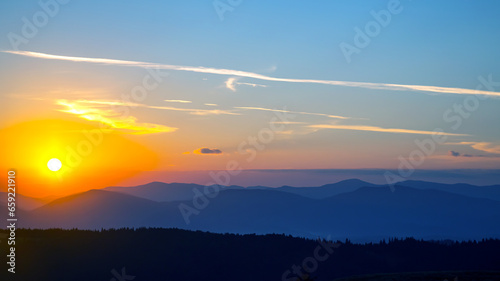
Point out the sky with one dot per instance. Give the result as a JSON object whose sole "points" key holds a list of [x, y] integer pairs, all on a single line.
{"points": [[147, 87]]}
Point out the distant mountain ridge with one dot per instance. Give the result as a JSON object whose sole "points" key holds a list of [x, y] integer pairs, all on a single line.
{"points": [[159, 191], [169, 192], [490, 192], [358, 210], [23, 202], [328, 190]]}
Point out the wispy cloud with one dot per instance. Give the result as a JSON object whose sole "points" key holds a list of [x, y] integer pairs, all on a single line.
{"points": [[210, 104], [230, 84], [188, 110], [113, 114], [111, 117], [292, 112], [481, 146], [379, 129], [273, 68], [238, 73], [252, 84], [179, 101], [287, 132], [288, 123], [486, 147]]}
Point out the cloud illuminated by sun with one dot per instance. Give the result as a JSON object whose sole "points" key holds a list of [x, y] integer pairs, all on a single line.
{"points": [[93, 111], [489, 147], [116, 114], [379, 129]]}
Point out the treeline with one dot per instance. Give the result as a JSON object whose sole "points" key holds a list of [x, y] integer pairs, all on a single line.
{"points": [[173, 254]]}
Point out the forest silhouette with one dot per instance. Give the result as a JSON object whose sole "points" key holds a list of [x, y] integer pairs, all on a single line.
{"points": [[175, 254]]}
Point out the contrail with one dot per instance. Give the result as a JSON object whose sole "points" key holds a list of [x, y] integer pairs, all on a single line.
{"points": [[230, 72]]}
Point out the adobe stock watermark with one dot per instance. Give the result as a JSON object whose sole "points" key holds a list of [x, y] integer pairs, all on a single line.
{"points": [[311, 264], [363, 37], [454, 116], [223, 6], [93, 138], [251, 146], [48, 9], [121, 276]]}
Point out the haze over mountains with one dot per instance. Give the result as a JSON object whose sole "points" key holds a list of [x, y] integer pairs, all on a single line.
{"points": [[23, 202], [167, 192], [350, 209]]}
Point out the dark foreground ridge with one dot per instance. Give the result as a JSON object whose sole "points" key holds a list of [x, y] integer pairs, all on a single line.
{"points": [[174, 254], [429, 276]]}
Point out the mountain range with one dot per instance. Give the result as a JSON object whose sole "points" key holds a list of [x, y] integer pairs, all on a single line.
{"points": [[351, 209]]}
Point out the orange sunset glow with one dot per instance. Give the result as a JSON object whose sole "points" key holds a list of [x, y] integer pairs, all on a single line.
{"points": [[238, 140], [91, 157]]}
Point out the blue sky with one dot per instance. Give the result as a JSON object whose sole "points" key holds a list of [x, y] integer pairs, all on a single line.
{"points": [[428, 43]]}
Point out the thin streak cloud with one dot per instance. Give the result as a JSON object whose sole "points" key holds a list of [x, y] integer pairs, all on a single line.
{"points": [[379, 129], [292, 112], [189, 110], [232, 82], [289, 123], [481, 146], [230, 72], [252, 85], [179, 101]]}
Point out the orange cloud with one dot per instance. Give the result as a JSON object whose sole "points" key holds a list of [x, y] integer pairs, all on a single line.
{"points": [[193, 111], [115, 114], [379, 129], [482, 146], [101, 112]]}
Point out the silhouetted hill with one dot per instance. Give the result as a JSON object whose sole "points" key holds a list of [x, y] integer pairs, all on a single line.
{"points": [[97, 209], [429, 276]]}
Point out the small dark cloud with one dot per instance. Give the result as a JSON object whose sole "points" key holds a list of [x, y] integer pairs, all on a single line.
{"points": [[205, 150], [458, 154]]}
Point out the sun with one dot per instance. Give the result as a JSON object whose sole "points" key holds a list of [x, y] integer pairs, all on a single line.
{"points": [[54, 164]]}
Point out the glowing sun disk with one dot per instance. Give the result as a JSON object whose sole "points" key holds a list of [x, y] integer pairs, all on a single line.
{"points": [[54, 164]]}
